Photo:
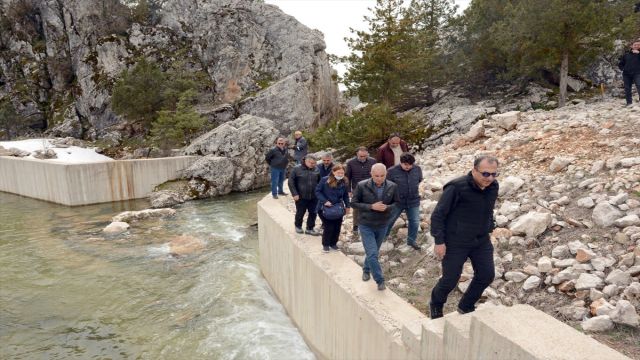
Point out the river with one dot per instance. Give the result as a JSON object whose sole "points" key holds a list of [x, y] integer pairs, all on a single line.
{"points": [[67, 292]]}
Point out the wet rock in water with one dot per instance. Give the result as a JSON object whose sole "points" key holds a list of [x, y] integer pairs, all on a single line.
{"points": [[210, 176], [597, 324], [129, 216], [116, 227], [165, 199], [185, 245]]}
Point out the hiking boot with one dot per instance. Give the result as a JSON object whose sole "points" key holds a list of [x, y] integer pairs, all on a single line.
{"points": [[325, 249], [275, 196], [381, 286], [415, 246], [366, 276], [299, 230], [283, 193], [355, 228], [334, 247], [435, 311], [312, 232], [464, 311]]}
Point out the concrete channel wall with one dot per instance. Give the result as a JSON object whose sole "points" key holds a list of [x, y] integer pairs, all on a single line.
{"points": [[82, 184], [342, 317]]}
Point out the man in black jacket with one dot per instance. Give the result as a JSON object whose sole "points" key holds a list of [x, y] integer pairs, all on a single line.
{"points": [[461, 224], [302, 183], [358, 169], [630, 66], [375, 200], [278, 160], [407, 176], [326, 165]]}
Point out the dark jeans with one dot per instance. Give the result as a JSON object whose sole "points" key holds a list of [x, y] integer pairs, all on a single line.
{"points": [[372, 239], [629, 80], [483, 274], [277, 180], [331, 231], [413, 216], [302, 206]]}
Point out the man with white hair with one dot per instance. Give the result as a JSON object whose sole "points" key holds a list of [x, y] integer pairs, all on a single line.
{"points": [[375, 199], [301, 147]]}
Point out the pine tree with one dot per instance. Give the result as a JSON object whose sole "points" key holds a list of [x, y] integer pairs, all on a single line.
{"points": [[175, 128], [138, 94]]}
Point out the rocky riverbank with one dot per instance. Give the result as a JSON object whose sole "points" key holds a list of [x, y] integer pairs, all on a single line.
{"points": [[568, 216]]}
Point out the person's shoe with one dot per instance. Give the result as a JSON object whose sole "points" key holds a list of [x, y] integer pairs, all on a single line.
{"points": [[355, 228], [381, 286], [283, 193], [435, 311], [275, 196], [325, 249], [312, 232], [366, 276], [465, 311], [299, 230], [415, 246], [334, 247]]}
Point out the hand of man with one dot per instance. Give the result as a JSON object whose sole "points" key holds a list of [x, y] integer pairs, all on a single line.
{"points": [[296, 198], [440, 250], [328, 204], [378, 206]]}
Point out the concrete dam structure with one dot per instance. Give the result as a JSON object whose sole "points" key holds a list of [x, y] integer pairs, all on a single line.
{"points": [[88, 183], [342, 317]]}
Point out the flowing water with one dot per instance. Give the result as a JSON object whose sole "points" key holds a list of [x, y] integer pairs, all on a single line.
{"points": [[67, 292]]}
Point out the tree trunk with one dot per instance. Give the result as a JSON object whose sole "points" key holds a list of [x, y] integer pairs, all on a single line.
{"points": [[564, 76]]}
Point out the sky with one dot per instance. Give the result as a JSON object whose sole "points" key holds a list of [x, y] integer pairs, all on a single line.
{"points": [[334, 18]]}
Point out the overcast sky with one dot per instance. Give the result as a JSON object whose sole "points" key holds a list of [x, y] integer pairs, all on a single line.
{"points": [[334, 17]]}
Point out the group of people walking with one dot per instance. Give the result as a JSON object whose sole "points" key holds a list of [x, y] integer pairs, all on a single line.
{"points": [[378, 191]]}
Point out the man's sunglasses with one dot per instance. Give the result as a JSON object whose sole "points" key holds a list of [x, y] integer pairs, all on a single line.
{"points": [[487, 174]]}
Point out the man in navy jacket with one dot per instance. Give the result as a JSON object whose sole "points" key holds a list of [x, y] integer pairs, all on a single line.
{"points": [[408, 177], [461, 224], [630, 66]]}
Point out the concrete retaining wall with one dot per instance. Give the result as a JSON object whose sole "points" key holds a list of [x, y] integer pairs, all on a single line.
{"points": [[82, 184], [342, 317]]}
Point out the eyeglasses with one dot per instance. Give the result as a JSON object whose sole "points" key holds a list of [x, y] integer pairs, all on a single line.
{"points": [[487, 174]]}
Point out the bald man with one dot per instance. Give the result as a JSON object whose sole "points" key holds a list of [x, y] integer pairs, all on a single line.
{"points": [[375, 199], [300, 148]]}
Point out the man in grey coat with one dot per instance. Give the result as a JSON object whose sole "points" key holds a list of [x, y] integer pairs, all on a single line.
{"points": [[300, 148]]}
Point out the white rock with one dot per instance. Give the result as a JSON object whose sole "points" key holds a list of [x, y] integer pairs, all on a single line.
{"points": [[597, 324], [420, 273], [532, 224], [356, 248], [510, 185], [586, 202], [629, 220], [564, 263], [509, 208], [629, 162], [588, 281], [560, 252], [625, 313], [560, 162], [605, 214], [507, 121], [116, 227], [562, 276], [610, 290], [515, 276], [544, 264], [618, 277], [129, 216], [598, 263], [575, 245], [531, 283], [385, 247], [618, 199]]}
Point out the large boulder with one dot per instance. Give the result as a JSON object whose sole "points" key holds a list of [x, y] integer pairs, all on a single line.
{"points": [[235, 153], [165, 199]]}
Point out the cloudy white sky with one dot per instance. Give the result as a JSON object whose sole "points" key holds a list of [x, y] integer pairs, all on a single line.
{"points": [[334, 17]]}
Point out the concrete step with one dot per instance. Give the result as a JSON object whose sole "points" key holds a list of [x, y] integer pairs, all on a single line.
{"points": [[456, 337], [432, 337]]}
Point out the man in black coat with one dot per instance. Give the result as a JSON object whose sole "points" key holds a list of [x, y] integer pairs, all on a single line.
{"points": [[302, 183], [278, 159], [358, 169], [461, 224], [407, 176], [375, 200], [326, 165], [630, 66]]}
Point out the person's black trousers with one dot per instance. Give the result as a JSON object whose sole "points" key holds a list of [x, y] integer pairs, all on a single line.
{"points": [[302, 206], [629, 80], [331, 231], [484, 272]]}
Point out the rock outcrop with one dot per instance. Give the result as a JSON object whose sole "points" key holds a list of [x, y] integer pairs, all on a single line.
{"points": [[65, 56]]}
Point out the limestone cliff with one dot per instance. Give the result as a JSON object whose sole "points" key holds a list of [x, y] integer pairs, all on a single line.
{"points": [[59, 60]]}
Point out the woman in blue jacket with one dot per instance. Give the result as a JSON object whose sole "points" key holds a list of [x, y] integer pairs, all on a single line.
{"points": [[332, 191]]}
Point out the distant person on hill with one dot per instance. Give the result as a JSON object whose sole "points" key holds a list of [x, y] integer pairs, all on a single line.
{"points": [[408, 177], [630, 66], [389, 153], [278, 159], [300, 148], [461, 224], [375, 199], [358, 169], [325, 165], [333, 203], [302, 183]]}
